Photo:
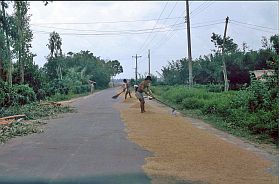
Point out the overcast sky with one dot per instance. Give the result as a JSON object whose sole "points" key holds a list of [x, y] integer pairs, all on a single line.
{"points": [[120, 30]]}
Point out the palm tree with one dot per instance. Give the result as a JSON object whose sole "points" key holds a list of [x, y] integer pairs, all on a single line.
{"points": [[54, 45]]}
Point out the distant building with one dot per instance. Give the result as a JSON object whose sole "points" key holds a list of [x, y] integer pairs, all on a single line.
{"points": [[259, 73]]}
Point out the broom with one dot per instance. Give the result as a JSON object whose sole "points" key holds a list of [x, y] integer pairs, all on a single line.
{"points": [[117, 95]]}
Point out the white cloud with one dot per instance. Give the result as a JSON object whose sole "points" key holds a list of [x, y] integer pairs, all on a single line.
{"points": [[124, 46]]}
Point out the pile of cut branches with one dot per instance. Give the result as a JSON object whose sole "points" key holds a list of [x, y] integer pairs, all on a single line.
{"points": [[11, 126]]}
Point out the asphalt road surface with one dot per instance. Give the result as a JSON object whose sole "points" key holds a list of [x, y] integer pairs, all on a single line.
{"points": [[89, 146]]}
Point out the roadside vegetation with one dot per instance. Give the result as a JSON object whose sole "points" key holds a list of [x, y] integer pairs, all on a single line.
{"points": [[230, 111], [250, 108], [23, 84]]}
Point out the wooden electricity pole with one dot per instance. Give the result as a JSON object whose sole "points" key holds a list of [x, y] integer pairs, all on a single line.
{"points": [[136, 72], [223, 57], [189, 45]]}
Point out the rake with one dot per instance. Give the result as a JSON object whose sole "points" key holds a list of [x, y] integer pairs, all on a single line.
{"points": [[173, 112]]}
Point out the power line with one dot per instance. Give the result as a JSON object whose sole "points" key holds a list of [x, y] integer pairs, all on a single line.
{"points": [[119, 31], [123, 33], [154, 26], [216, 20], [207, 25], [197, 8], [170, 12], [252, 28], [105, 34], [166, 40], [162, 23], [192, 12], [169, 32], [253, 25], [94, 30], [208, 5], [107, 22]]}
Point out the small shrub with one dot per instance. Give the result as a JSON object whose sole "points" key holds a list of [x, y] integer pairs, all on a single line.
{"points": [[218, 106], [241, 99], [24, 94], [192, 103], [41, 94], [217, 88], [16, 95]]}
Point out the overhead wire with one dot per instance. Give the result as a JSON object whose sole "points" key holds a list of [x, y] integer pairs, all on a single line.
{"points": [[106, 22], [109, 31], [154, 26], [169, 32], [128, 33], [252, 24], [253, 28], [106, 34], [192, 12], [162, 23], [165, 41], [196, 9], [205, 7], [168, 36]]}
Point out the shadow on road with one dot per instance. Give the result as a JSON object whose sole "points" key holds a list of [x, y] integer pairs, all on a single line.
{"points": [[134, 178]]}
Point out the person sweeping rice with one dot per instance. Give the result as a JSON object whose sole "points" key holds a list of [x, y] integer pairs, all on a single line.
{"points": [[126, 88], [143, 87]]}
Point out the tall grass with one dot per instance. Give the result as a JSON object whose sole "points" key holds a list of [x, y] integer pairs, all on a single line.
{"points": [[231, 109]]}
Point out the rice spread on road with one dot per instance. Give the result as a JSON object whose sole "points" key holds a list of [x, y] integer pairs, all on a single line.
{"points": [[182, 152]]}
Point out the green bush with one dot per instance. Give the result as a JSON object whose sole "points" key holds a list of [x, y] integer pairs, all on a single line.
{"points": [[215, 88], [241, 99], [24, 94], [85, 88], [81, 89], [77, 90], [58, 97], [2, 97], [16, 95], [219, 106], [192, 103], [57, 86], [41, 94]]}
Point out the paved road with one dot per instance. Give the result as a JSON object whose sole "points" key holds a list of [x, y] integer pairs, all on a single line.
{"points": [[89, 146]]}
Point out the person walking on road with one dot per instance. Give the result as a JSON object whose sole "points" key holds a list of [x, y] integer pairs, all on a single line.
{"points": [[92, 86], [126, 87], [143, 87]]}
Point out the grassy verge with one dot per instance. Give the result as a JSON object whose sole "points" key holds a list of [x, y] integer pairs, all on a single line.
{"points": [[62, 97], [33, 112], [227, 111]]}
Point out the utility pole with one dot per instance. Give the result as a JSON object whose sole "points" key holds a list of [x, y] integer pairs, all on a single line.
{"points": [[149, 62], [136, 72], [223, 57], [189, 45]]}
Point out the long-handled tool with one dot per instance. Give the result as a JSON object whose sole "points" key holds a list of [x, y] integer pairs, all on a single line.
{"points": [[173, 112], [117, 95]]}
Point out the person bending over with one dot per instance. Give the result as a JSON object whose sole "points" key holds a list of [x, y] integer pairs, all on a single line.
{"points": [[143, 87]]}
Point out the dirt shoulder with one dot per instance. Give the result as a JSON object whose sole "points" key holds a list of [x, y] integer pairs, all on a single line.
{"points": [[189, 151]]}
